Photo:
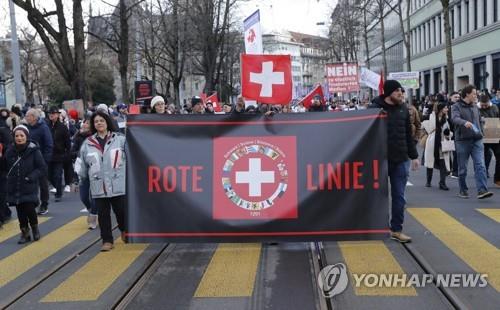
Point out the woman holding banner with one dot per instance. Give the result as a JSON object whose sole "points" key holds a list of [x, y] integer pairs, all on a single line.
{"points": [[103, 162]]}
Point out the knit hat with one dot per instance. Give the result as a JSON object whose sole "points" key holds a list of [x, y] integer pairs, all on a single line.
{"points": [[23, 129], [103, 107], [155, 100], [390, 86]]}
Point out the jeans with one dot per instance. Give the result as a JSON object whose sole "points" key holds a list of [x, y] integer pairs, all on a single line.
{"points": [[55, 176], [474, 149], [84, 189], [104, 208], [398, 176]]}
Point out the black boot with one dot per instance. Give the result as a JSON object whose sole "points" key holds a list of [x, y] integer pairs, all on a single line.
{"points": [[35, 232], [429, 177], [442, 186], [25, 236]]}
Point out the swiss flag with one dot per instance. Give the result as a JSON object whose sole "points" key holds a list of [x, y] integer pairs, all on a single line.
{"points": [[267, 78], [306, 101]]}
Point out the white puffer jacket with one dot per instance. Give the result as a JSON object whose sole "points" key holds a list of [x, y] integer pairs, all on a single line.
{"points": [[104, 168]]}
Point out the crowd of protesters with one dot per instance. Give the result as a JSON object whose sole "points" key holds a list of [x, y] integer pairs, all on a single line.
{"points": [[67, 149]]}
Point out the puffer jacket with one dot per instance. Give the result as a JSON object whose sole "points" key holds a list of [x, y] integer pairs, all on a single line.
{"points": [[105, 168], [462, 113], [400, 141], [24, 170]]}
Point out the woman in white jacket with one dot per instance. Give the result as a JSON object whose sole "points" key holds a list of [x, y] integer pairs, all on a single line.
{"points": [[438, 130], [103, 162]]}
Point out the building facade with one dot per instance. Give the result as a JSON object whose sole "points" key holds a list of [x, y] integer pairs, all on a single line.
{"points": [[475, 30]]}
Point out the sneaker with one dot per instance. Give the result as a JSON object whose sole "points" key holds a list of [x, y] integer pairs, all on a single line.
{"points": [[43, 211], [399, 236], [67, 189], [57, 198], [107, 246], [463, 194], [408, 183], [497, 184], [454, 176], [92, 221], [53, 190], [484, 194]]}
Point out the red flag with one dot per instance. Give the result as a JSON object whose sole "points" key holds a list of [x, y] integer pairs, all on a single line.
{"points": [[267, 78], [306, 101], [215, 102], [381, 83]]}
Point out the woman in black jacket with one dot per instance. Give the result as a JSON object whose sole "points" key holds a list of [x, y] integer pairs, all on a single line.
{"points": [[25, 165]]}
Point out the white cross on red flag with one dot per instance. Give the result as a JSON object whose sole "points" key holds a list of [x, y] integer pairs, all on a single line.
{"points": [[267, 78]]}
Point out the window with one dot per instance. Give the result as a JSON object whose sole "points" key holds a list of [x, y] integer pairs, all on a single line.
{"points": [[476, 26], [437, 80], [467, 24], [496, 70], [480, 72], [485, 15], [495, 11]]}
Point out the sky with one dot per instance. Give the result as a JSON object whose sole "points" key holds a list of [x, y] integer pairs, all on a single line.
{"points": [[295, 15]]}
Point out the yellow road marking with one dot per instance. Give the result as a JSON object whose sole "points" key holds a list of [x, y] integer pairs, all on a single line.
{"points": [[11, 229], [231, 272], [476, 252], [491, 213], [92, 279], [32, 254], [373, 257]]}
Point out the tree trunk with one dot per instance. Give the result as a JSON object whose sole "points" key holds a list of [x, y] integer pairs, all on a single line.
{"points": [[124, 50], [449, 51], [79, 40], [382, 34]]}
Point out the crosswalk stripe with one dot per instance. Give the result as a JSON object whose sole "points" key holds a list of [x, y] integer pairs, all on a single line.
{"points": [[11, 229], [479, 254], [373, 257], [231, 272], [494, 214], [32, 254], [92, 279]]}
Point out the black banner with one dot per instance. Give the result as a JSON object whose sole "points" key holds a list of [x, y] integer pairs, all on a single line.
{"points": [[233, 178]]}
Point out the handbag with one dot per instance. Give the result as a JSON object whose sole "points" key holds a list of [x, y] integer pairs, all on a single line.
{"points": [[447, 146]]}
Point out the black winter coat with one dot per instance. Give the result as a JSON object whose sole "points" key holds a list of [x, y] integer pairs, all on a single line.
{"points": [[24, 169], [78, 140], [399, 139], [62, 142]]}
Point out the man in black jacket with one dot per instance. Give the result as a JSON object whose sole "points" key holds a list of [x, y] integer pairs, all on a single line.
{"points": [[400, 149], [61, 151], [5, 140], [40, 133]]}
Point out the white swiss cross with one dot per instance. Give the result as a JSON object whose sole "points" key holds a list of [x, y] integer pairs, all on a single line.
{"points": [[267, 78], [254, 177]]}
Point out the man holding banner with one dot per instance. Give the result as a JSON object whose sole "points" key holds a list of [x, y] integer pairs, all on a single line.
{"points": [[400, 149]]}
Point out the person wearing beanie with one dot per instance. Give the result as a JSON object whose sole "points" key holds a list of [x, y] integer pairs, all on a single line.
{"points": [[158, 105], [400, 150], [489, 110], [25, 165], [435, 157], [465, 117]]}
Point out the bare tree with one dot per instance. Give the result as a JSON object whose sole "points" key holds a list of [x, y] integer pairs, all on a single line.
{"points": [[344, 32], [69, 61], [380, 6], [449, 52], [211, 22], [117, 38], [32, 63]]}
